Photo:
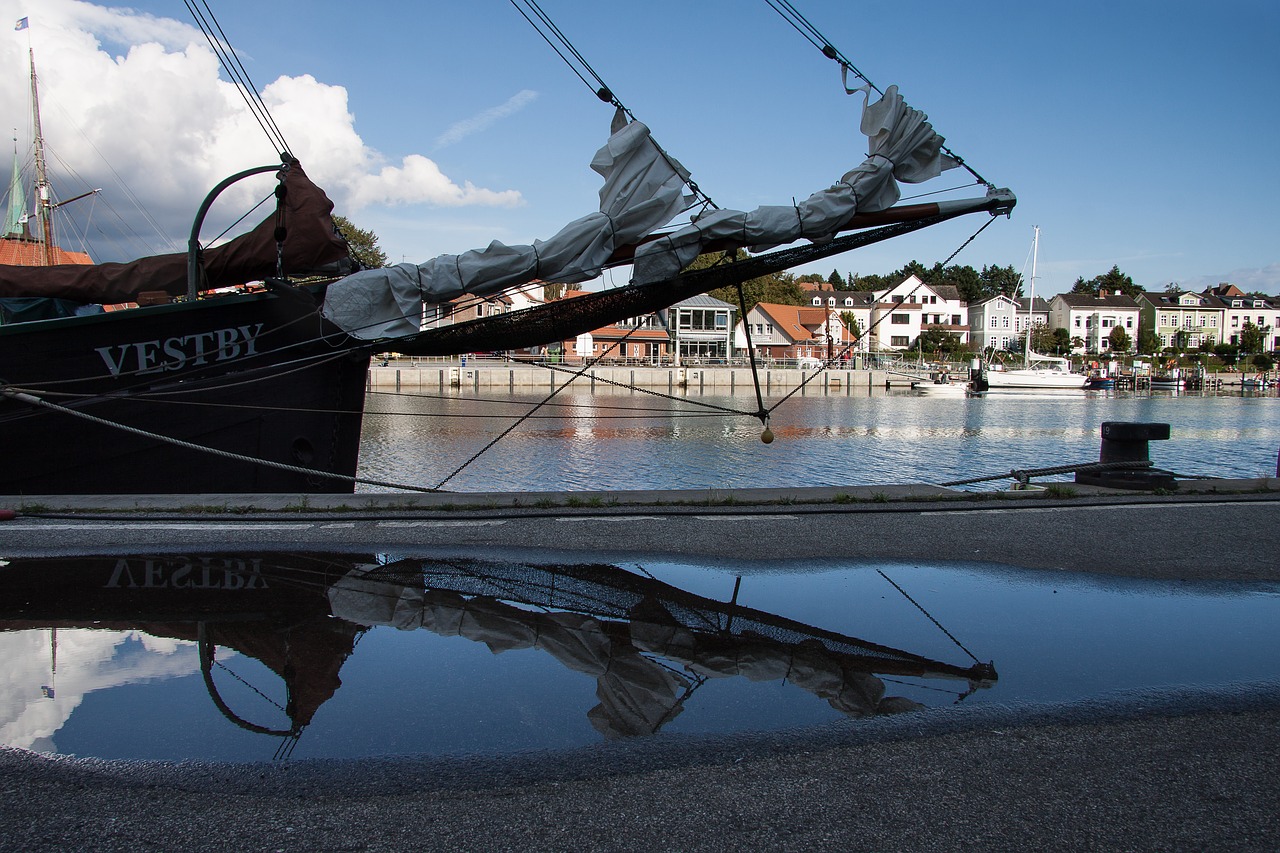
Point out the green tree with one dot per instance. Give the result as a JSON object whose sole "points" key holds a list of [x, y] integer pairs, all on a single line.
{"points": [[1061, 342], [1227, 353], [1262, 361], [1148, 341], [935, 340], [870, 282], [851, 323], [963, 278], [1252, 338], [552, 291], [1001, 281], [1108, 282], [836, 281], [1119, 339], [778, 288], [362, 244], [810, 277]]}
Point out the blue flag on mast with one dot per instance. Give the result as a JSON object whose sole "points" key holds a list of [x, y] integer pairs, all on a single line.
{"points": [[22, 24]]}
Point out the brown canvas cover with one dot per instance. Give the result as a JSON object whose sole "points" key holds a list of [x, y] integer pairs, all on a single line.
{"points": [[311, 244]]}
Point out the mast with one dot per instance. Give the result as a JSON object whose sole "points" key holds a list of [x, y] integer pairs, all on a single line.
{"points": [[44, 200], [1031, 303]]}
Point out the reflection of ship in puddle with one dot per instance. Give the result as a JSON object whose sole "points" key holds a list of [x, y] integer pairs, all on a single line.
{"points": [[648, 644]]}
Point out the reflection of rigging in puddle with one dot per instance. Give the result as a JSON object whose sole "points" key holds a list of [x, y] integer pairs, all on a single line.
{"points": [[649, 645], [49, 691], [639, 626]]}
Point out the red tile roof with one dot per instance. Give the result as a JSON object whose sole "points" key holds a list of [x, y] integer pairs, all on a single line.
{"points": [[29, 253]]}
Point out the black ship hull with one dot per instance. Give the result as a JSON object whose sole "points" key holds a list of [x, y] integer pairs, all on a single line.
{"points": [[259, 376]]}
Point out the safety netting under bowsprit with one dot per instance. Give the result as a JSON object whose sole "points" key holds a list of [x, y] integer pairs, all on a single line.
{"points": [[607, 592]]}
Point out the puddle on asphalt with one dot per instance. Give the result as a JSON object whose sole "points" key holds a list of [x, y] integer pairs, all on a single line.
{"points": [[242, 657]]}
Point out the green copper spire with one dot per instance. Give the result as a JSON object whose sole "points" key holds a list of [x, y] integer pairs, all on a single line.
{"points": [[16, 217]]}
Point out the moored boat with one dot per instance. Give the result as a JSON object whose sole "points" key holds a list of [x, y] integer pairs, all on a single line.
{"points": [[1041, 372], [261, 389]]}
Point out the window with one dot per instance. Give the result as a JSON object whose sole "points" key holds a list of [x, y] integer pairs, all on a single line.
{"points": [[1005, 324], [1203, 320], [1077, 323], [1128, 322], [955, 320], [995, 321], [817, 301], [900, 319], [899, 340], [1213, 322]]}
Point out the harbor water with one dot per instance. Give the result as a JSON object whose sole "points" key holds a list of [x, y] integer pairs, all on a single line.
{"points": [[622, 439]]}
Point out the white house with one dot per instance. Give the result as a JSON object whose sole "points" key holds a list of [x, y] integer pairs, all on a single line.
{"points": [[902, 312], [998, 323], [1240, 308], [1093, 317]]}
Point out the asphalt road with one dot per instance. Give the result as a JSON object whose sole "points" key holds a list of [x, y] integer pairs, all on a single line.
{"points": [[1197, 537]]}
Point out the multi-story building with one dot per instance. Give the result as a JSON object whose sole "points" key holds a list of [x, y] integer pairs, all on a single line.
{"points": [[699, 328], [1093, 317], [998, 323], [1239, 308], [901, 313], [794, 331], [1182, 318]]}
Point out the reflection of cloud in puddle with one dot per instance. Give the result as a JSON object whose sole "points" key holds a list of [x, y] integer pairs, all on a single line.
{"points": [[87, 660]]}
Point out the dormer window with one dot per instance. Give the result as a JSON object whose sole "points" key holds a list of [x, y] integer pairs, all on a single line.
{"points": [[831, 301], [817, 302]]}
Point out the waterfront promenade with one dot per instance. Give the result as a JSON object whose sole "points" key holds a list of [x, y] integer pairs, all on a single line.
{"points": [[488, 374]]}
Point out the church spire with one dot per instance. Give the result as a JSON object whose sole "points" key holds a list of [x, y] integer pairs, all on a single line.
{"points": [[15, 221]]}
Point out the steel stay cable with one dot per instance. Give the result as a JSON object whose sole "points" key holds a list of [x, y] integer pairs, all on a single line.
{"points": [[530, 413], [811, 34], [928, 615], [826, 364], [605, 92]]}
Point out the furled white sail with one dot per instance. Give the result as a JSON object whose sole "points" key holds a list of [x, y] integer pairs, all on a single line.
{"points": [[903, 145], [644, 189]]}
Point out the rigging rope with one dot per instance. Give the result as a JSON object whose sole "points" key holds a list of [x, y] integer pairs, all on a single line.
{"points": [[187, 445], [928, 615], [554, 36], [811, 34], [230, 62], [929, 275], [590, 364]]}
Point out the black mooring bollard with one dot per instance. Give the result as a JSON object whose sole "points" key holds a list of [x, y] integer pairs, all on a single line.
{"points": [[1124, 441]]}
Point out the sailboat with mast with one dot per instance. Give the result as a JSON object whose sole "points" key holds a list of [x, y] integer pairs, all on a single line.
{"points": [[22, 242], [1041, 372], [262, 389]]}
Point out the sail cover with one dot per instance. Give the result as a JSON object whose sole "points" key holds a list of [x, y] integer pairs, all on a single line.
{"points": [[644, 189], [312, 245]]}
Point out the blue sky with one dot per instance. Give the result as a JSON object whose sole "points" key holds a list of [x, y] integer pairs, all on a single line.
{"points": [[1135, 134]]}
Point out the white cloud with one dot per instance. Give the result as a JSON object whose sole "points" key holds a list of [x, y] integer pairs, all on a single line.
{"points": [[1265, 279], [153, 107], [467, 127]]}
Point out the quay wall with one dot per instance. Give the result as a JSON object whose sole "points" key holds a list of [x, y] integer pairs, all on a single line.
{"points": [[522, 377], [437, 376]]}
